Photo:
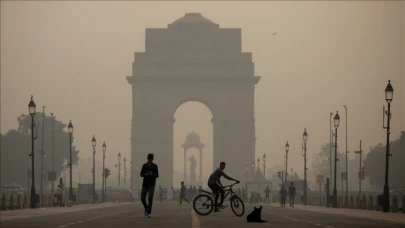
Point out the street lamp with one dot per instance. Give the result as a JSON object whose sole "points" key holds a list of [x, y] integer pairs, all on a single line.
{"points": [[31, 109], [42, 154], [53, 161], [330, 150], [336, 123], [305, 139], [130, 165], [258, 163], [264, 164], [70, 131], [103, 187], [359, 152], [93, 143], [347, 169], [125, 172], [389, 95], [287, 147], [119, 168]]}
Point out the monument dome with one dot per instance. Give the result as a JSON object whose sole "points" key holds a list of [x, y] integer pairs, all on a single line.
{"points": [[193, 19]]}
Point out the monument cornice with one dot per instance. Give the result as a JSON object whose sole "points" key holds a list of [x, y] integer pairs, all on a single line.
{"points": [[231, 79]]}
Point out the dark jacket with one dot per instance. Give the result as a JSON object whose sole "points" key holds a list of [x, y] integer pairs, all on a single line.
{"points": [[149, 180]]}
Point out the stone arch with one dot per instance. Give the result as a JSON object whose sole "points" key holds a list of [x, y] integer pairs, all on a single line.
{"points": [[192, 60]]}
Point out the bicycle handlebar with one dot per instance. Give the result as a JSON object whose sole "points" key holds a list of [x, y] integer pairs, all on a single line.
{"points": [[229, 186]]}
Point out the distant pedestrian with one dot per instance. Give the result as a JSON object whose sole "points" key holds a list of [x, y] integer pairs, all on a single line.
{"points": [[183, 193], [283, 195], [149, 172], [267, 195], [59, 195], [292, 192]]}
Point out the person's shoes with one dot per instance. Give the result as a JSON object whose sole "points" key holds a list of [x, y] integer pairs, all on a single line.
{"points": [[145, 213], [150, 215]]}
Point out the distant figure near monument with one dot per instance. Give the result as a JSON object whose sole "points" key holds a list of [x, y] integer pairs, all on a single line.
{"points": [[193, 164]]}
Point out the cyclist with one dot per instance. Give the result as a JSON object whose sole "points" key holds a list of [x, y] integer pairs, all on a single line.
{"points": [[214, 183]]}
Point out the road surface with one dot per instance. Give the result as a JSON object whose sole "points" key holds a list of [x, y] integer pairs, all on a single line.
{"points": [[172, 215]]}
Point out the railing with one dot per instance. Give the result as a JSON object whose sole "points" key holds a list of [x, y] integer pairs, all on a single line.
{"points": [[354, 201]]}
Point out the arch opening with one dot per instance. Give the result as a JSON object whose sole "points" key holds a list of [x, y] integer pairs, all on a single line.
{"points": [[192, 135]]}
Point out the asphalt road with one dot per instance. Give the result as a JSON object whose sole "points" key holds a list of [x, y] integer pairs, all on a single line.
{"points": [[172, 215]]}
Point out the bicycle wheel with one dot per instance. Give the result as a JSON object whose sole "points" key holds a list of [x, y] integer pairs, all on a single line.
{"points": [[237, 206], [203, 204]]}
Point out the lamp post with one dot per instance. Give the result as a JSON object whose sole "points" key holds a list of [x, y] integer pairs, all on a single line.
{"points": [[42, 152], [28, 177], [93, 143], [31, 109], [103, 187], [287, 147], [347, 162], [305, 139], [389, 95], [119, 168], [336, 123], [70, 131], [80, 177], [130, 166], [264, 164], [125, 172], [330, 150], [53, 161], [359, 152], [258, 163]]}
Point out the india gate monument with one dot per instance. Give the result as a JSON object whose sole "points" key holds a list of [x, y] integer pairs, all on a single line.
{"points": [[193, 59]]}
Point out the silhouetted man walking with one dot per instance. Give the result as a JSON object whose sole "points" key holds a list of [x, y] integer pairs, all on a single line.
{"points": [[292, 192], [183, 193], [149, 172], [267, 194]]}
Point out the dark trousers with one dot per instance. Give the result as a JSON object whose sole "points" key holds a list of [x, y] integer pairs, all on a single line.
{"points": [[267, 199], [216, 189], [183, 197], [147, 190]]}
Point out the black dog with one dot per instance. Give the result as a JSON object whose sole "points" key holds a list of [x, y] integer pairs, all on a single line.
{"points": [[255, 216]]}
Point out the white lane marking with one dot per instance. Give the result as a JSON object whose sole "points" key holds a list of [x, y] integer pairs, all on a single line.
{"points": [[72, 223], [79, 221], [317, 224], [194, 220], [295, 219], [310, 222], [88, 219]]}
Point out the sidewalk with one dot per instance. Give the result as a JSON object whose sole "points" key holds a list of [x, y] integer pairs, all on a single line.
{"points": [[27, 213], [396, 217]]}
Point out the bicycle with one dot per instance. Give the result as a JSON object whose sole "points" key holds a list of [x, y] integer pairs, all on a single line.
{"points": [[207, 200]]}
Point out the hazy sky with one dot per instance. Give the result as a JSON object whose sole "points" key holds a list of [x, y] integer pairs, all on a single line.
{"points": [[74, 56]]}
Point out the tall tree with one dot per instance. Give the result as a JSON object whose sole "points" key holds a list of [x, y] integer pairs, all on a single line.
{"points": [[374, 164], [321, 164], [16, 147]]}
